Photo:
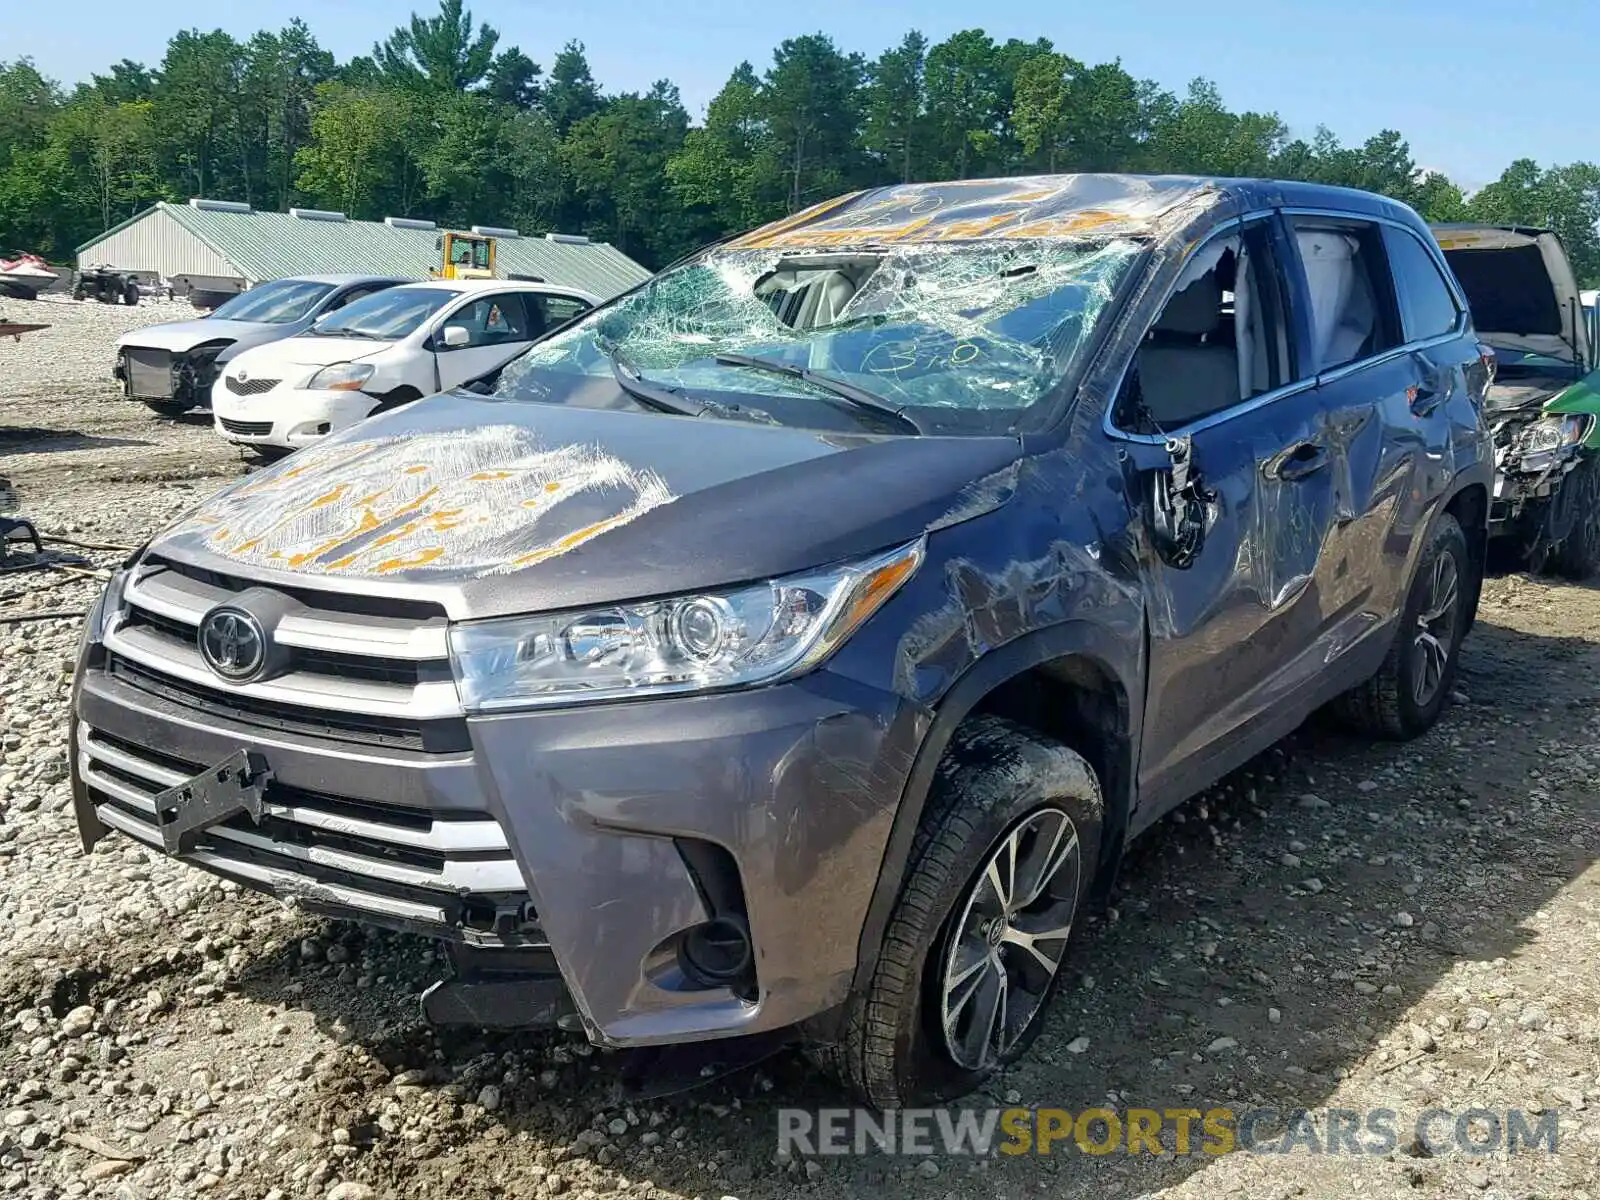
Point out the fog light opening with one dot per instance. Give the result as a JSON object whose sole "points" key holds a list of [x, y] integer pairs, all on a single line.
{"points": [[718, 951]]}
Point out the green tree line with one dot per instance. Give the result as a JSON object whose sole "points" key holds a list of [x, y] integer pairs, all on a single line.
{"points": [[443, 120]]}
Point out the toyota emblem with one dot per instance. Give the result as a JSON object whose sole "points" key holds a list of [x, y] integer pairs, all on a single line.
{"points": [[242, 376], [233, 644]]}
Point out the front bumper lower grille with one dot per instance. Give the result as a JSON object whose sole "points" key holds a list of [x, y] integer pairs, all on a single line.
{"points": [[246, 428], [450, 874]]}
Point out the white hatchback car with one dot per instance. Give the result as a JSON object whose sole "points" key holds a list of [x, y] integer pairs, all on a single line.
{"points": [[387, 349]]}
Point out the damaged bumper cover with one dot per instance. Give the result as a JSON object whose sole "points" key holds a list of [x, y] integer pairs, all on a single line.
{"points": [[564, 860]]}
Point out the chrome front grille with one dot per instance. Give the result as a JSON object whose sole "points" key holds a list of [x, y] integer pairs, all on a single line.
{"points": [[352, 676], [246, 428], [248, 387], [148, 372], [409, 865]]}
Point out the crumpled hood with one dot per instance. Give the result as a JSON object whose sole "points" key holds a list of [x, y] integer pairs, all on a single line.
{"points": [[180, 336], [492, 507]]}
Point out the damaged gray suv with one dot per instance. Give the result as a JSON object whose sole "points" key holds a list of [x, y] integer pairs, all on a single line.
{"points": [[788, 649]]}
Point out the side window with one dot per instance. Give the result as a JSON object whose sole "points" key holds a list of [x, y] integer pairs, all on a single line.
{"points": [[356, 293], [1352, 300], [1220, 338], [492, 320], [1427, 307], [547, 312]]}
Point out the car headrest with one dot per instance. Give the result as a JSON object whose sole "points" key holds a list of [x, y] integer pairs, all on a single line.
{"points": [[1194, 311]]}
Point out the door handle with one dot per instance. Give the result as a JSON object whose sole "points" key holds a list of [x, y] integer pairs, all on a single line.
{"points": [[1298, 462]]}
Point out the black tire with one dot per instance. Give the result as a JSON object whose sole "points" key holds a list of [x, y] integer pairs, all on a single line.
{"points": [[995, 778], [394, 399], [1577, 556], [130, 295], [1389, 704], [168, 408]]}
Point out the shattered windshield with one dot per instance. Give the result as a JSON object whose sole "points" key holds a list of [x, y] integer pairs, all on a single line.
{"points": [[983, 327]]}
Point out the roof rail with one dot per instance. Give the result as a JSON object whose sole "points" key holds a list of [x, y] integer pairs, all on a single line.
{"points": [[409, 223], [316, 214], [568, 239], [495, 231], [231, 206]]}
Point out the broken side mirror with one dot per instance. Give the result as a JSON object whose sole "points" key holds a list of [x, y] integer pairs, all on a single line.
{"points": [[1180, 507]]}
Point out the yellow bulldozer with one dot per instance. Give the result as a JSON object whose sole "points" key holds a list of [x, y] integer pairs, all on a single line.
{"points": [[465, 256]]}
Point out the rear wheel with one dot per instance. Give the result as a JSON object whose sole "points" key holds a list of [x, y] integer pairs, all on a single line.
{"points": [[1410, 690], [130, 294], [1577, 556], [998, 872]]}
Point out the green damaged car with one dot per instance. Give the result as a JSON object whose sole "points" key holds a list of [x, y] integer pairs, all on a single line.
{"points": [[1544, 406]]}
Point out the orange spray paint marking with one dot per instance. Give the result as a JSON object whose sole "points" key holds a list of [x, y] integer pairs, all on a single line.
{"points": [[420, 559]]}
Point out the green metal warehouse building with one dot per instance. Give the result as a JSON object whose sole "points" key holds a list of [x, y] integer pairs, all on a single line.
{"points": [[220, 247]]}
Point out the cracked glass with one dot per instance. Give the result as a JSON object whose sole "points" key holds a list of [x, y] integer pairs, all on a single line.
{"points": [[980, 327]]}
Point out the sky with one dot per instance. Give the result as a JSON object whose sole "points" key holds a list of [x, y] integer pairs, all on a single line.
{"points": [[1471, 84]]}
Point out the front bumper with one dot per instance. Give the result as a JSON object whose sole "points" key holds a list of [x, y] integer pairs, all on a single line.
{"points": [[579, 834], [1518, 492], [286, 417]]}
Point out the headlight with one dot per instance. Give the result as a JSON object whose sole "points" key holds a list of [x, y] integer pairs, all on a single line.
{"points": [[739, 637], [341, 377], [1552, 433], [1544, 439]]}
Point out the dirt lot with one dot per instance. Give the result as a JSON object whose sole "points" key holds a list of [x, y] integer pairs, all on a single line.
{"points": [[1341, 926]]}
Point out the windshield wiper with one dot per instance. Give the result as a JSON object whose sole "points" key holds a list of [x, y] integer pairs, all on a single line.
{"points": [[641, 389], [347, 333], [859, 397]]}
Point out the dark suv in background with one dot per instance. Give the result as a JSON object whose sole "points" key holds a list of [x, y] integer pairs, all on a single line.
{"points": [[791, 646]]}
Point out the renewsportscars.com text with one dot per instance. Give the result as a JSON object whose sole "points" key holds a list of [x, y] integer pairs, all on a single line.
{"points": [[1182, 1131]]}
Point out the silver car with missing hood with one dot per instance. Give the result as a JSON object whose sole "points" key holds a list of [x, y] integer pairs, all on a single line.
{"points": [[171, 367]]}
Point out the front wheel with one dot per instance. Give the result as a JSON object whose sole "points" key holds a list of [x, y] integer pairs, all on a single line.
{"points": [[1410, 690], [999, 870], [1577, 556], [168, 408]]}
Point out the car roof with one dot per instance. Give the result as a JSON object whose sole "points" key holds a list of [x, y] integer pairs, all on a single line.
{"points": [[342, 280], [1067, 207], [466, 286]]}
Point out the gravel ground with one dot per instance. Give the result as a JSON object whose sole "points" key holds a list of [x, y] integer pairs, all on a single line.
{"points": [[1339, 926]]}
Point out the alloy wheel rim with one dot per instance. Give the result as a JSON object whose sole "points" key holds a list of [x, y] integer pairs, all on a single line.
{"points": [[1009, 938], [1435, 633]]}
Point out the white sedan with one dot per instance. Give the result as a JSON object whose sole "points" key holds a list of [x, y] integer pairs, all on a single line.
{"points": [[387, 349]]}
